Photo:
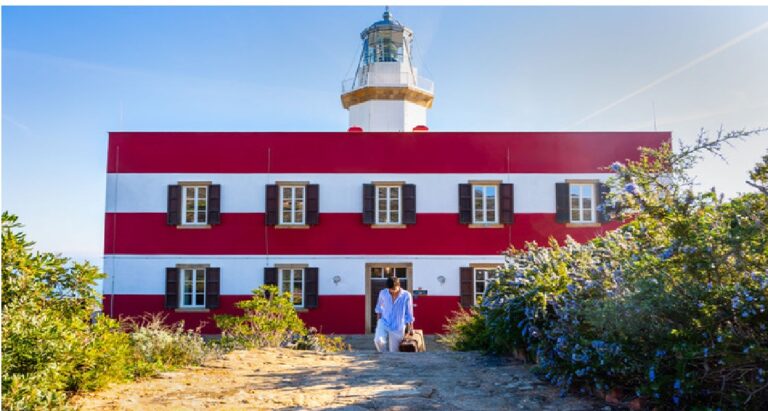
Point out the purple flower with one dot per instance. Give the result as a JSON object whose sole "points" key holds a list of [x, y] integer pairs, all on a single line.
{"points": [[616, 167], [677, 384], [632, 188], [652, 374]]}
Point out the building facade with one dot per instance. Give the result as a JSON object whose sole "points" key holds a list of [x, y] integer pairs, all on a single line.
{"points": [[196, 221]]}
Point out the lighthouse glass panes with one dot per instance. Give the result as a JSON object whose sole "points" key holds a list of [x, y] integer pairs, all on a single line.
{"points": [[482, 275], [292, 204], [292, 281], [382, 47], [193, 288], [582, 203], [195, 204], [485, 206], [387, 204]]}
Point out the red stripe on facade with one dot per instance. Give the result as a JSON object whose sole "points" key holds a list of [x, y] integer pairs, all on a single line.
{"points": [[337, 234], [454, 152], [335, 314]]}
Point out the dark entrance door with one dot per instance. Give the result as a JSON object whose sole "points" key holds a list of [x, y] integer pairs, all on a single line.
{"points": [[379, 274]]}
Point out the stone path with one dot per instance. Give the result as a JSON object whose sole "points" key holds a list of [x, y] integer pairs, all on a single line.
{"points": [[358, 380]]}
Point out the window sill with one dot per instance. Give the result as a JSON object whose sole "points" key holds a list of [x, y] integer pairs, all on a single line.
{"points": [[388, 226], [291, 226], [193, 226], [192, 310], [493, 225], [301, 309], [582, 225]]}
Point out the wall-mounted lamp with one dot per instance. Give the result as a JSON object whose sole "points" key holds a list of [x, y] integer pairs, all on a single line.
{"points": [[336, 279], [441, 279]]}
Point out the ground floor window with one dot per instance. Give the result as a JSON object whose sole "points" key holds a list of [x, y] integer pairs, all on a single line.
{"points": [[292, 281], [482, 275], [192, 287]]}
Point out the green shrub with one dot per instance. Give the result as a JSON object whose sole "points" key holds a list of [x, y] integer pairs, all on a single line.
{"points": [[270, 320], [49, 346], [466, 331], [159, 346], [670, 307]]}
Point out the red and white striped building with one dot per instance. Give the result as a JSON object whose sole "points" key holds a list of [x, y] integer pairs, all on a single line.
{"points": [[195, 221]]}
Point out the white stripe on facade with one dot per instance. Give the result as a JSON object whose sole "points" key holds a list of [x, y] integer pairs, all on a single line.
{"points": [[145, 274], [339, 193]]}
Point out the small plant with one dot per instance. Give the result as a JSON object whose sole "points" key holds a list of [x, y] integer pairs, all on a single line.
{"points": [[466, 331]]}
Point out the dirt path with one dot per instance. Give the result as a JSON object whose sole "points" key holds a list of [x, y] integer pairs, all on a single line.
{"points": [[357, 380]]}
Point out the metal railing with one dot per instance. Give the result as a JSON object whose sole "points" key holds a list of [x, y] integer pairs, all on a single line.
{"points": [[405, 79]]}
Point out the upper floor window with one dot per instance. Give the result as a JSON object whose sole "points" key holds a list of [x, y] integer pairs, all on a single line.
{"points": [[292, 281], [194, 204], [485, 205], [582, 203], [192, 288], [292, 204], [482, 275], [388, 204]]}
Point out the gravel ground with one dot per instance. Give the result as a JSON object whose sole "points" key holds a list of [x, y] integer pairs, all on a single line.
{"points": [[357, 380]]}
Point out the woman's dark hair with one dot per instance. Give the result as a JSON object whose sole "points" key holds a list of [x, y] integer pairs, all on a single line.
{"points": [[392, 282]]}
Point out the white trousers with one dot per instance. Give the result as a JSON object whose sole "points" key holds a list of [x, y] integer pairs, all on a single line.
{"points": [[383, 335]]}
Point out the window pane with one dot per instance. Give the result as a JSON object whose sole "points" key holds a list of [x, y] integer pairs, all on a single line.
{"points": [[381, 192], [479, 275], [187, 281], [394, 192], [480, 286], [287, 217], [393, 217], [575, 215], [190, 193], [575, 203], [297, 294], [575, 190], [200, 299], [400, 272], [298, 275], [586, 190], [587, 215], [187, 299], [376, 272], [299, 205], [200, 286], [299, 217], [382, 216], [299, 192]]}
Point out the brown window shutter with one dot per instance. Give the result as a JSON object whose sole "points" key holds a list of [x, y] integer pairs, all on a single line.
{"points": [[271, 205], [409, 204], [467, 295], [507, 203], [369, 206], [602, 191], [174, 204], [270, 276], [171, 287], [214, 204], [562, 203], [465, 203], [312, 212], [212, 287], [310, 287]]}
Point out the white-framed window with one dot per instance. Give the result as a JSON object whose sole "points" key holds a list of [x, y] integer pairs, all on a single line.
{"points": [[292, 281], [192, 286], [194, 204], [582, 202], [388, 204], [485, 204], [292, 204], [482, 275]]}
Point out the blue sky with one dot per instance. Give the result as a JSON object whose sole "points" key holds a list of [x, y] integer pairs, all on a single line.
{"points": [[71, 74]]}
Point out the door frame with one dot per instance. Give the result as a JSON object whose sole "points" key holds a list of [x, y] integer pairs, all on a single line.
{"points": [[368, 296]]}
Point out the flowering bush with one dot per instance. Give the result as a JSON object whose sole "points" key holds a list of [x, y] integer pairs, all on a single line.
{"points": [[670, 307], [159, 346]]}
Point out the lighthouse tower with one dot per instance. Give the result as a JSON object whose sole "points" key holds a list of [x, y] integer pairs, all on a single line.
{"points": [[387, 93]]}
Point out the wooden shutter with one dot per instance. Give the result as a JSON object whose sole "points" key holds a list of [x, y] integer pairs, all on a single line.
{"points": [[602, 191], [465, 203], [409, 204], [271, 205], [312, 211], [270, 276], [507, 203], [212, 287], [214, 204], [171, 287], [562, 203], [369, 206], [174, 204], [466, 275], [310, 287]]}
